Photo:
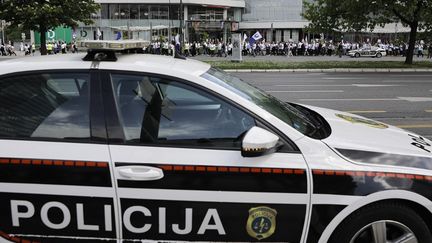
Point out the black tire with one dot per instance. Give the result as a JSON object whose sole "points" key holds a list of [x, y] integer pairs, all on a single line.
{"points": [[357, 55], [378, 55], [392, 212]]}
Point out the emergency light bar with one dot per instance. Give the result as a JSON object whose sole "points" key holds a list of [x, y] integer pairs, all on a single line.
{"points": [[113, 45], [100, 50]]}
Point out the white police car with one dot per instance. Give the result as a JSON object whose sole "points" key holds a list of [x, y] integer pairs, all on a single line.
{"points": [[368, 52], [150, 148]]}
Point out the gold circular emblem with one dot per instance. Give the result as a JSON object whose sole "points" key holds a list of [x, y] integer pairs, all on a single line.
{"points": [[261, 223]]}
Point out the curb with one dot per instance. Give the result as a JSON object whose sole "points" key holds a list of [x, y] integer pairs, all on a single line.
{"points": [[333, 70]]}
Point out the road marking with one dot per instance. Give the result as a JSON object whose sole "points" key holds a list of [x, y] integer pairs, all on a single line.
{"points": [[338, 85], [415, 126], [430, 111], [313, 85], [361, 112], [406, 81], [383, 99], [374, 85], [305, 91], [416, 99], [409, 99], [343, 78]]}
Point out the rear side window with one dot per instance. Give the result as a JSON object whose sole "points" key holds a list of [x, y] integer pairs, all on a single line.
{"points": [[45, 106]]}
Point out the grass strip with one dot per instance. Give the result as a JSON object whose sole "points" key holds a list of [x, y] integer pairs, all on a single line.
{"points": [[318, 64]]}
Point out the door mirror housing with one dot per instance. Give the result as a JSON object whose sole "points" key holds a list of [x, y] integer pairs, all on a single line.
{"points": [[258, 142]]}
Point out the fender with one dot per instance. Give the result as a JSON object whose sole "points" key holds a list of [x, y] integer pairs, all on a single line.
{"points": [[372, 198]]}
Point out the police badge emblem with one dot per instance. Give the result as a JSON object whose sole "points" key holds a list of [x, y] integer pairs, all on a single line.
{"points": [[261, 223]]}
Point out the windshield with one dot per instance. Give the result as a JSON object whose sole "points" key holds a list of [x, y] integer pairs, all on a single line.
{"points": [[281, 110]]}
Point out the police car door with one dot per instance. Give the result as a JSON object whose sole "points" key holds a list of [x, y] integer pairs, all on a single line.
{"points": [[180, 172], [55, 180]]}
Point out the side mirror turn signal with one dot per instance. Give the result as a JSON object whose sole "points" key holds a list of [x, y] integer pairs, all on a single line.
{"points": [[258, 142]]}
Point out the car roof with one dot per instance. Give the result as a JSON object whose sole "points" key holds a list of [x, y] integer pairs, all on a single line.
{"points": [[132, 62]]}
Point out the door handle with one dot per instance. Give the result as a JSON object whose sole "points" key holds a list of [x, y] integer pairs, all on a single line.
{"points": [[139, 173]]}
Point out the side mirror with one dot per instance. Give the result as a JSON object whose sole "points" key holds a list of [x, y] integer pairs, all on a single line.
{"points": [[258, 142]]}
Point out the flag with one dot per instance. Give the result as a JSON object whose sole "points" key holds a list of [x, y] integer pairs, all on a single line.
{"points": [[255, 37], [98, 34], [119, 35]]}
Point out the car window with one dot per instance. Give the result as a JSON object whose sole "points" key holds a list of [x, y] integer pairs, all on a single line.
{"points": [[47, 106], [158, 111]]}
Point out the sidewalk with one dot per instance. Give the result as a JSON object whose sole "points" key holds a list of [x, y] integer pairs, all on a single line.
{"points": [[334, 70], [309, 58], [298, 59]]}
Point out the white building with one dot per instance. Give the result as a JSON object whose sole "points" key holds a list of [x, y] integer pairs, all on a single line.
{"points": [[277, 20]]}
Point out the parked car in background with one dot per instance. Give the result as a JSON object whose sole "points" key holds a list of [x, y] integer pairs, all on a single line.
{"points": [[368, 52]]}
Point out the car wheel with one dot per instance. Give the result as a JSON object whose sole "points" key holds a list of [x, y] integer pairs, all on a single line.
{"points": [[383, 223], [378, 55], [357, 55]]}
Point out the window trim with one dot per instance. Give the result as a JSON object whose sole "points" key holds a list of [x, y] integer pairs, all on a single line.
{"points": [[115, 132], [93, 124]]}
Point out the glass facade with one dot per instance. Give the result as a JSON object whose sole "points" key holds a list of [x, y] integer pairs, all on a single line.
{"points": [[139, 11], [214, 21], [273, 10], [208, 14]]}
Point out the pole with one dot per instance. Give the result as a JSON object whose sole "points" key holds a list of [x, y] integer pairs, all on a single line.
{"points": [[181, 23], [3, 34], [169, 21], [3, 24], [151, 31]]}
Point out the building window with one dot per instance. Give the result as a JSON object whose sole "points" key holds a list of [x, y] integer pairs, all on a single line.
{"points": [[124, 11], [114, 11], [144, 11], [105, 11], [134, 11], [208, 14]]}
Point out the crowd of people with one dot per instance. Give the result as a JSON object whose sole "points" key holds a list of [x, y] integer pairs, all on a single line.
{"points": [[53, 47], [56, 47], [7, 49], [217, 48]]}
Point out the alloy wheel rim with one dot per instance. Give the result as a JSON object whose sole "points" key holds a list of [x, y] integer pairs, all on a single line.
{"points": [[384, 231]]}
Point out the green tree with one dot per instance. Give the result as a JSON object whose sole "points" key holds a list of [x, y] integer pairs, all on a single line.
{"points": [[357, 15], [42, 15]]}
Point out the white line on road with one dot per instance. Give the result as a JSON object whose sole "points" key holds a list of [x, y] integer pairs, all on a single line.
{"points": [[338, 85], [409, 99], [305, 91], [343, 78], [373, 99], [411, 75], [416, 99], [375, 85], [313, 85], [365, 112], [406, 81]]}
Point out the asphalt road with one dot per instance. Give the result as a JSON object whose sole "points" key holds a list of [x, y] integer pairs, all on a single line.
{"points": [[400, 99]]}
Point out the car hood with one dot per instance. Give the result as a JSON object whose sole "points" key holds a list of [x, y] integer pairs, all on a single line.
{"points": [[364, 140]]}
